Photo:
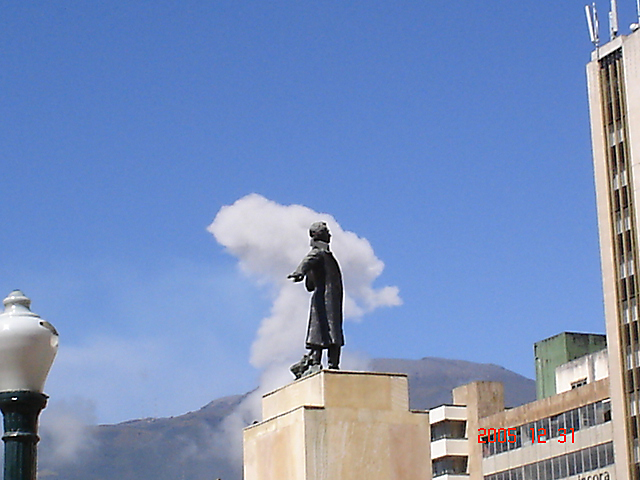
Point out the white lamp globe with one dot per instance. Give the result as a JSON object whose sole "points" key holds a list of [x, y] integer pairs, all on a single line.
{"points": [[28, 345]]}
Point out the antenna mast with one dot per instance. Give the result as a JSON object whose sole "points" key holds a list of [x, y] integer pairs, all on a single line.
{"points": [[613, 19], [592, 22]]}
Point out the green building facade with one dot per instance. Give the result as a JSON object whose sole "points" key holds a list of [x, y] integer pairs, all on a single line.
{"points": [[558, 350]]}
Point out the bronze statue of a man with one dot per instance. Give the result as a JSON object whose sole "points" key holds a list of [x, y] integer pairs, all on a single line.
{"points": [[322, 276]]}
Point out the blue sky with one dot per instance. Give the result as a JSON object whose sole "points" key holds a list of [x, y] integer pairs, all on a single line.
{"points": [[453, 136]]}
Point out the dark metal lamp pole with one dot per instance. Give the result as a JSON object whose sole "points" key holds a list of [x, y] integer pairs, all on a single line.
{"points": [[28, 345], [21, 410]]}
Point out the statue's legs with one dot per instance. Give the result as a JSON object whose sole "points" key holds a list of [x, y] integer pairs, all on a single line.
{"points": [[334, 356], [315, 356], [312, 362]]}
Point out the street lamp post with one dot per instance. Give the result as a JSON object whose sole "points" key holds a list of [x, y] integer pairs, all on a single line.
{"points": [[28, 345]]}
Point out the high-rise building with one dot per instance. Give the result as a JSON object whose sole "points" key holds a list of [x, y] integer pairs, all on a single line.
{"points": [[614, 100]]}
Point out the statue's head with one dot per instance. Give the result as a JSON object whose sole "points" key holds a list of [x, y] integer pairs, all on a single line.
{"points": [[319, 231]]}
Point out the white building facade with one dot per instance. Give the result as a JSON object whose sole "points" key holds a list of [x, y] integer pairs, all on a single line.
{"points": [[614, 100]]}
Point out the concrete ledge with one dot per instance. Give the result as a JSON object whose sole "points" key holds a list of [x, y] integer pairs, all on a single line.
{"points": [[340, 388]]}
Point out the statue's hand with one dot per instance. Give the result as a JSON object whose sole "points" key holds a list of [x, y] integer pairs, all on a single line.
{"points": [[297, 277]]}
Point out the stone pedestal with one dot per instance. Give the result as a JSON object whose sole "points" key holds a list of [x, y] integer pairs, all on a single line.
{"points": [[339, 425]]}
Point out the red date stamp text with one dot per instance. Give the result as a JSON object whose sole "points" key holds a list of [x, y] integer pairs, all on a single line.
{"points": [[508, 435]]}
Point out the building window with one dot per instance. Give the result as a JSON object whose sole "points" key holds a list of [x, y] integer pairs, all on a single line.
{"points": [[452, 465], [448, 429], [578, 383], [603, 412]]}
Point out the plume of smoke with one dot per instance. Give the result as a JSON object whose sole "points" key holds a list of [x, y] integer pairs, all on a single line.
{"points": [[269, 240], [66, 431]]}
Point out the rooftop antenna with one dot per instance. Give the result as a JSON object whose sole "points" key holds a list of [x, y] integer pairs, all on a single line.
{"points": [[592, 22], [613, 19]]}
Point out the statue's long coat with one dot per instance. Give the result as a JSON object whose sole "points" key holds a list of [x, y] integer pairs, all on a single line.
{"points": [[324, 279]]}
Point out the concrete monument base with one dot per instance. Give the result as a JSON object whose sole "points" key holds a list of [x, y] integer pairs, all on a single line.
{"points": [[339, 425]]}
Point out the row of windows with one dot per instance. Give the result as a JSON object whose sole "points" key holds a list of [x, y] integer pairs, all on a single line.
{"points": [[611, 70], [563, 466], [613, 114], [448, 429], [453, 465], [620, 191], [548, 428]]}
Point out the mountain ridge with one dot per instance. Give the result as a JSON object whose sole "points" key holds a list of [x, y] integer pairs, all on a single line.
{"points": [[204, 444]]}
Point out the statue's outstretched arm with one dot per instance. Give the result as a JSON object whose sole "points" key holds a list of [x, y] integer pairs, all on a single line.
{"points": [[307, 263]]}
